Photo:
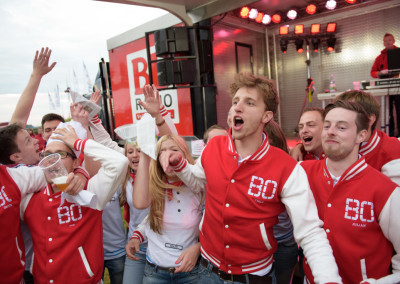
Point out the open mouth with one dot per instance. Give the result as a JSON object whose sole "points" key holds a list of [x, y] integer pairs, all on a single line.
{"points": [[238, 121], [307, 139]]}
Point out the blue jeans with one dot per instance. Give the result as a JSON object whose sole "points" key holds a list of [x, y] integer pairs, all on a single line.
{"points": [[134, 269], [115, 269], [152, 275], [285, 260], [206, 276]]}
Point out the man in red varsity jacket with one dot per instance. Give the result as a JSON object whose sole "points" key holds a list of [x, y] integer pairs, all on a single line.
{"points": [[249, 183], [16, 181], [310, 128], [380, 151], [357, 203], [67, 238]]}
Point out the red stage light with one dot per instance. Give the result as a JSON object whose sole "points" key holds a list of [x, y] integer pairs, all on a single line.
{"points": [[331, 28], [330, 48], [276, 18], [260, 17], [351, 1], [315, 28], [283, 30], [298, 29], [311, 9], [299, 45], [245, 12]]}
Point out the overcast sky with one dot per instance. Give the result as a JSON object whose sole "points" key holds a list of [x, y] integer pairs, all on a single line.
{"points": [[76, 31]]}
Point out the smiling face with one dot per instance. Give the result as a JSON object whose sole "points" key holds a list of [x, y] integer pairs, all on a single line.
{"points": [[249, 114], [310, 128], [28, 149], [132, 153], [340, 138]]}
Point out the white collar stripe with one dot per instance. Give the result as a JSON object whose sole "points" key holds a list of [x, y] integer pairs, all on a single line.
{"points": [[370, 146]]}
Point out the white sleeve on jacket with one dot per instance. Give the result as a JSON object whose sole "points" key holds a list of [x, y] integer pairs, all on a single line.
{"points": [[141, 228], [392, 170], [192, 175], [110, 175], [308, 228], [28, 179], [389, 222], [101, 135]]}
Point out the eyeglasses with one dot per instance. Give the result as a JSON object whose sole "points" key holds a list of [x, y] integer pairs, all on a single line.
{"points": [[63, 154]]}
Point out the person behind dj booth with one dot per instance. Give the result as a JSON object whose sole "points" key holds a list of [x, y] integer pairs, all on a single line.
{"points": [[379, 70]]}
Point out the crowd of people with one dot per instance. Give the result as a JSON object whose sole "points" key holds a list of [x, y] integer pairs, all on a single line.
{"points": [[245, 211]]}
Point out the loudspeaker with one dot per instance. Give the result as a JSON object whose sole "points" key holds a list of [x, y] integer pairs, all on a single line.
{"points": [[175, 72], [171, 40]]}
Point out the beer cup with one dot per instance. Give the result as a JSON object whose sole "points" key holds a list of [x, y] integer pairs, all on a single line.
{"points": [[54, 170]]}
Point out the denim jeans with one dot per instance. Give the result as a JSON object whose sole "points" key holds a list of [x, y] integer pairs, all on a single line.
{"points": [[285, 260], [152, 275], [206, 276], [134, 269], [115, 269]]}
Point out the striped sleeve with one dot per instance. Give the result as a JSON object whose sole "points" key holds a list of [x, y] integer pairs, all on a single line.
{"points": [[79, 145]]}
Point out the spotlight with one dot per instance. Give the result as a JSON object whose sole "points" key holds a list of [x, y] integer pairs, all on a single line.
{"points": [[266, 20], [298, 29], [315, 43], [276, 18], [284, 43], [330, 4], [331, 43], [315, 28], [331, 28], [260, 17], [283, 30], [299, 45], [245, 12], [351, 1], [253, 14], [292, 14], [311, 9]]}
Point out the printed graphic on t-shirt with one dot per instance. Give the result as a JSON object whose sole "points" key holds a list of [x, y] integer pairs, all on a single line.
{"points": [[173, 246]]}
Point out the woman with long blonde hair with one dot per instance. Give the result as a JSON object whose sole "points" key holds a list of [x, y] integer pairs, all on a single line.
{"points": [[172, 226]]}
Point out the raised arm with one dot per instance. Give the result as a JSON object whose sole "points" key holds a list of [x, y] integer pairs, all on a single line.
{"points": [[40, 68], [140, 195], [113, 165], [156, 109]]}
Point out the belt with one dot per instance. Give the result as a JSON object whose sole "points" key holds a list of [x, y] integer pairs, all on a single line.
{"points": [[238, 277], [169, 269]]}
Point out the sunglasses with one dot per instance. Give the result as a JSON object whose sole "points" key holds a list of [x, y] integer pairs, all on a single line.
{"points": [[63, 154]]}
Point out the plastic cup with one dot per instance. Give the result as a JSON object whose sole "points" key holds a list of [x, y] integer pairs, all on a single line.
{"points": [[54, 170]]}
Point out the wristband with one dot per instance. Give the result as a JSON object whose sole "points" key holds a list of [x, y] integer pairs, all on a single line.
{"points": [[161, 123]]}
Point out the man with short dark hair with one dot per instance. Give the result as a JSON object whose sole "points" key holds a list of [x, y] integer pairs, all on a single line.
{"points": [[18, 147], [381, 151], [357, 203], [50, 122]]}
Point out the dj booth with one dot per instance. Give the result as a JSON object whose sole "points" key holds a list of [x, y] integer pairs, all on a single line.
{"points": [[382, 88]]}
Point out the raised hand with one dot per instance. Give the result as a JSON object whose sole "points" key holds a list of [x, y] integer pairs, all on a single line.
{"points": [[95, 97], [152, 101], [79, 114], [67, 136], [41, 62]]}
